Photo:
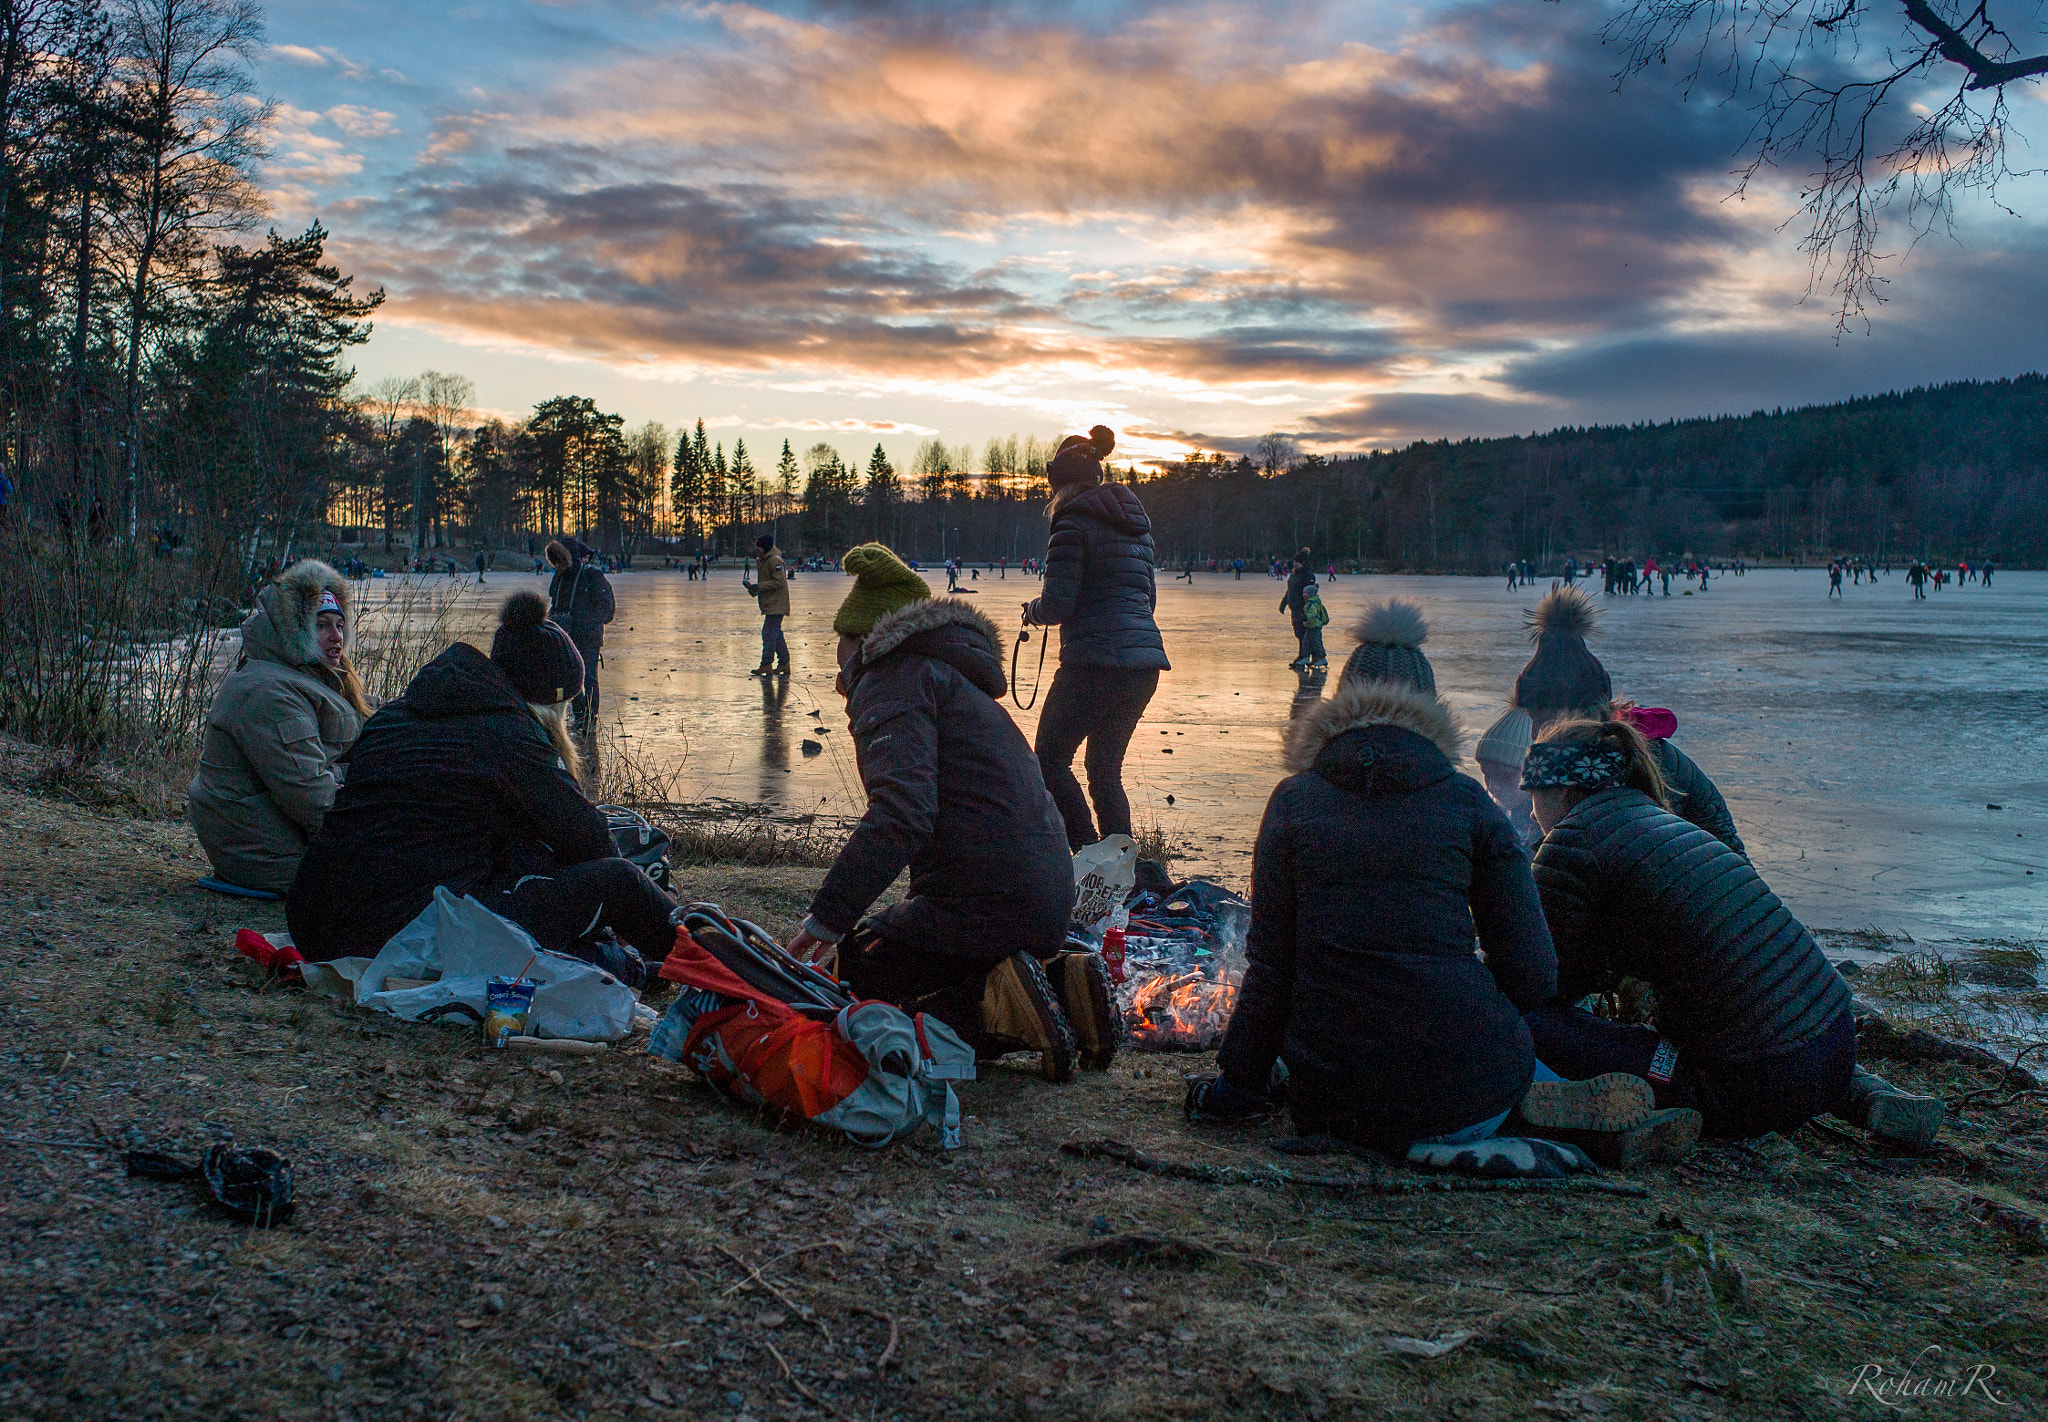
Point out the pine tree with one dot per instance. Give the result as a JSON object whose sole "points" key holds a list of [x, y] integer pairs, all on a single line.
{"points": [[686, 484], [741, 492]]}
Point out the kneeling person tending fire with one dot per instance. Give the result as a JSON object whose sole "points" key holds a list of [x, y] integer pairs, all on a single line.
{"points": [[954, 794]]}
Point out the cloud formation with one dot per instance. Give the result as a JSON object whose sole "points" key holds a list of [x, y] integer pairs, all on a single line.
{"points": [[1293, 217]]}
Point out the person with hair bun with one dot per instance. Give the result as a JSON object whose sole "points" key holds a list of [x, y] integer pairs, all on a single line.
{"points": [[1100, 592], [1752, 1022], [470, 780]]}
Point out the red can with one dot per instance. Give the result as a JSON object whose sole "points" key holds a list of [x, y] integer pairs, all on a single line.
{"points": [[1113, 954]]}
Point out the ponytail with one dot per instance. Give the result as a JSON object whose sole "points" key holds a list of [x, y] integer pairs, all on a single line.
{"points": [[555, 721]]}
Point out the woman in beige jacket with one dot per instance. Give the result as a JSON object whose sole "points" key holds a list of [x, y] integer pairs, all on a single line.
{"points": [[771, 587], [291, 706]]}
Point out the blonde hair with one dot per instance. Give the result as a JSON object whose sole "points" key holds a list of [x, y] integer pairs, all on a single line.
{"points": [[1643, 771], [555, 721]]}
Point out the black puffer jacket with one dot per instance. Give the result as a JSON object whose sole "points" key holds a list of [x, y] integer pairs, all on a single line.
{"points": [[1099, 588], [453, 783], [1695, 796], [954, 793], [1374, 869], [1632, 890]]}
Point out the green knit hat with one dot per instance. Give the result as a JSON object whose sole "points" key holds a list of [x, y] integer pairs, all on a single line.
{"points": [[882, 583]]}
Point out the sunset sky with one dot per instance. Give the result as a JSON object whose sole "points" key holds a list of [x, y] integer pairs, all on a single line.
{"points": [[1357, 223]]}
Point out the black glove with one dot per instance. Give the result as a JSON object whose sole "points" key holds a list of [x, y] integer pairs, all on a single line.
{"points": [[1213, 1098]]}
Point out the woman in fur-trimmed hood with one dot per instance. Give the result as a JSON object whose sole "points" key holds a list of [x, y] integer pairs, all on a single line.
{"points": [[291, 706], [1377, 864], [955, 797]]}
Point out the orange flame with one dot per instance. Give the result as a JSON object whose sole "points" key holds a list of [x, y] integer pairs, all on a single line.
{"points": [[1181, 1010]]}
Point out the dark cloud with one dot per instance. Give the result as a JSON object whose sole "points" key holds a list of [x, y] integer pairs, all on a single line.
{"points": [[835, 187], [743, 274]]}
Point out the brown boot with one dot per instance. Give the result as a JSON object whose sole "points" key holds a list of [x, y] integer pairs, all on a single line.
{"points": [[1616, 1101], [1020, 1012], [1082, 982], [1667, 1137]]}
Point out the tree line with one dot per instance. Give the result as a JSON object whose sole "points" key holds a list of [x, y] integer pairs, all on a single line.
{"points": [[1958, 470]]}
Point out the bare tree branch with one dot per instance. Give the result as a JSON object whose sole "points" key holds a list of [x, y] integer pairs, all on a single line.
{"points": [[1882, 126]]}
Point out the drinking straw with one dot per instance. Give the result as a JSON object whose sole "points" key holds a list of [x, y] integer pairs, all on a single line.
{"points": [[529, 963]]}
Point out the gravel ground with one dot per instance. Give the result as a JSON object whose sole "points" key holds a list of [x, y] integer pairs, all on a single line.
{"points": [[490, 1237]]}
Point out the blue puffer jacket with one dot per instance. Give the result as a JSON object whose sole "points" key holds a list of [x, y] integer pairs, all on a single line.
{"points": [[1098, 583], [1376, 869]]}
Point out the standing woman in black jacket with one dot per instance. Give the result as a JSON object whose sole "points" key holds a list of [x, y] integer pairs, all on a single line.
{"points": [[1099, 592], [1753, 1027]]}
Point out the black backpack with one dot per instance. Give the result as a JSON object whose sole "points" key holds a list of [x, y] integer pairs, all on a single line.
{"points": [[639, 841]]}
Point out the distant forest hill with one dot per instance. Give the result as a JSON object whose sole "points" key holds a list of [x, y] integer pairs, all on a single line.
{"points": [[1954, 471]]}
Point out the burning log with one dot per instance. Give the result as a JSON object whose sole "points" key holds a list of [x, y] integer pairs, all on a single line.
{"points": [[1181, 1012]]}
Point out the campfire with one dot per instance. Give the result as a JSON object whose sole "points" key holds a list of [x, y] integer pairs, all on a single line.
{"points": [[1183, 1012]]}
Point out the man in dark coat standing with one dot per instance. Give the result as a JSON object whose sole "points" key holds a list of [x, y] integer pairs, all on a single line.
{"points": [[955, 796], [580, 602]]}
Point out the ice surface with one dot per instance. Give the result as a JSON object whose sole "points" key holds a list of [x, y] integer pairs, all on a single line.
{"points": [[1857, 741]]}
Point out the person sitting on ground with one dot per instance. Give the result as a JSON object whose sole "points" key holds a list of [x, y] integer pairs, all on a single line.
{"points": [[470, 780], [292, 705], [580, 601], [1563, 680], [1753, 1027], [954, 795], [1376, 866]]}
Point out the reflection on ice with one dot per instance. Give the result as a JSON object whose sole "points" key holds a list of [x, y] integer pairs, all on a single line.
{"points": [[1859, 741]]}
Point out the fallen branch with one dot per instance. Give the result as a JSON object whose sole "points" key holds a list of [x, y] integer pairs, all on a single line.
{"points": [[809, 1396], [801, 1310], [1278, 1177], [1876, 1037], [889, 1351]]}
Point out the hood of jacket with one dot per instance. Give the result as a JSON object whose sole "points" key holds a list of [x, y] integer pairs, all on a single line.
{"points": [[1410, 738], [947, 629], [461, 682], [283, 628], [1115, 505]]}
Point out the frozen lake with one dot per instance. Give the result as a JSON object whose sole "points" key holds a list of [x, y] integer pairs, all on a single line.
{"points": [[1859, 742]]}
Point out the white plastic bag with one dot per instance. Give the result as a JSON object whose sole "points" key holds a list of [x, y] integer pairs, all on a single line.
{"points": [[1104, 875], [460, 943]]}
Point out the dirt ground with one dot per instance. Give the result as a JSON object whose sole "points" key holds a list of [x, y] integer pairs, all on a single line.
{"points": [[485, 1236]]}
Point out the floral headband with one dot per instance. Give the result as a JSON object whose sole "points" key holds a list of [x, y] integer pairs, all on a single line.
{"points": [[1574, 765]]}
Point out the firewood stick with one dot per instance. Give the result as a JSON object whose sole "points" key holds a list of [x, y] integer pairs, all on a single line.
{"points": [[809, 1396]]}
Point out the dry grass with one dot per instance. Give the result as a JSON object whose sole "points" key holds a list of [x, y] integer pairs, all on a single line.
{"points": [[751, 840], [481, 1237]]}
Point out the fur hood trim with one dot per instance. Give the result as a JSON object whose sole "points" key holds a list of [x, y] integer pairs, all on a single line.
{"points": [[283, 628], [1564, 610], [929, 614], [1359, 704], [1397, 622]]}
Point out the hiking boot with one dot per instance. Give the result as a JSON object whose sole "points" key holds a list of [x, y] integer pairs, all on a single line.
{"points": [[1020, 1012], [1081, 981], [1891, 1114], [1614, 1102], [1666, 1137], [762, 670]]}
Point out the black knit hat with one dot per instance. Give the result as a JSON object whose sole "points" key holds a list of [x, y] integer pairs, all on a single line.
{"points": [[1080, 457], [536, 653], [765, 542], [1563, 675]]}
